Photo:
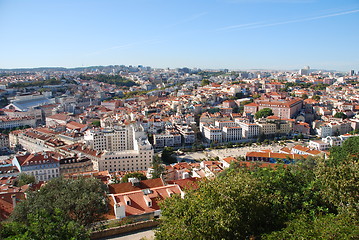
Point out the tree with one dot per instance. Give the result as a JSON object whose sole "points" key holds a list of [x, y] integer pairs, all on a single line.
{"points": [[24, 179], [158, 168], [96, 123], [263, 113], [304, 96], [205, 82], [167, 155], [316, 97], [137, 175], [232, 207], [340, 115], [329, 227], [83, 200], [315, 198], [43, 225]]}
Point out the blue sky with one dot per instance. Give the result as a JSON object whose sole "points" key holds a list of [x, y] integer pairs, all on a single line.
{"points": [[234, 34]]}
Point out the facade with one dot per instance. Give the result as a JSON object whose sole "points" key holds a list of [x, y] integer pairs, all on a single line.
{"points": [[167, 140], [75, 164], [4, 141], [212, 134], [110, 139], [281, 108], [232, 134], [319, 145], [13, 122], [249, 130], [124, 148], [41, 165]]}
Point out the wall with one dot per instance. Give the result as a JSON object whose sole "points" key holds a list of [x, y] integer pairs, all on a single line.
{"points": [[124, 229]]}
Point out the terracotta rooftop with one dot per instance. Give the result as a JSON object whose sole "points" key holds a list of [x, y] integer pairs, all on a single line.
{"points": [[128, 187]]}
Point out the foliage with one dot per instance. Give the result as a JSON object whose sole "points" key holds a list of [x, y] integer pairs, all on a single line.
{"points": [[137, 175], [214, 110], [304, 96], [158, 168], [340, 115], [205, 82], [8, 130], [110, 79], [96, 123], [24, 179], [316, 97], [45, 225], [167, 155], [263, 113], [83, 200], [316, 198], [51, 81], [330, 227]]}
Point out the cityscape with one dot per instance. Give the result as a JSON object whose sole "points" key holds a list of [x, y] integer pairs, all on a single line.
{"points": [[207, 139]]}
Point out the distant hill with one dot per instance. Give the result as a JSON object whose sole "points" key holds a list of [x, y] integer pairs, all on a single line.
{"points": [[62, 69]]}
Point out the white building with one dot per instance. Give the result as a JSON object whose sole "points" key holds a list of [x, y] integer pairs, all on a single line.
{"points": [[123, 149], [110, 139], [249, 130], [13, 122], [41, 165], [232, 134], [212, 134]]}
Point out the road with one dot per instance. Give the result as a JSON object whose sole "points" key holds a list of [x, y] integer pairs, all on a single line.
{"points": [[146, 233]]}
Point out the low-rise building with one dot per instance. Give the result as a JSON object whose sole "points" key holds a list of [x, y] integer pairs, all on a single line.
{"points": [[44, 166]]}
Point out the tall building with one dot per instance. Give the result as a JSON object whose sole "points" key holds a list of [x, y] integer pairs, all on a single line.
{"points": [[120, 148]]}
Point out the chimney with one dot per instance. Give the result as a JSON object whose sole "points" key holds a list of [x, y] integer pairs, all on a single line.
{"points": [[13, 197]]}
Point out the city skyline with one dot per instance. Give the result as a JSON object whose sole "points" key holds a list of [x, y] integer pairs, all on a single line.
{"points": [[233, 34]]}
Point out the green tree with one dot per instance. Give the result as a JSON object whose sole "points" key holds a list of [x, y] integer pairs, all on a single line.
{"points": [[24, 179], [205, 82], [158, 167], [96, 123], [167, 155], [232, 207], [316, 97], [263, 113], [304, 96], [330, 227], [83, 200], [43, 225], [340, 115], [137, 175]]}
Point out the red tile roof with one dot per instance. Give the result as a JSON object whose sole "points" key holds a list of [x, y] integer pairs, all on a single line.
{"points": [[128, 187]]}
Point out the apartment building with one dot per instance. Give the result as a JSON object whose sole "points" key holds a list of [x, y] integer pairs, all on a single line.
{"points": [[13, 122], [284, 108], [232, 134], [44, 166], [125, 148], [249, 130], [212, 134]]}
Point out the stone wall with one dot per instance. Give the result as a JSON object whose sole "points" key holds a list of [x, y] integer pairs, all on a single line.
{"points": [[124, 229]]}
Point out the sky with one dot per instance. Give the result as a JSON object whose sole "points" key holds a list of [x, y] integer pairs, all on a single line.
{"points": [[207, 34]]}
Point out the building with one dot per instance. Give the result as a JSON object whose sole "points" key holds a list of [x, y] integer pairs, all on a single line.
{"points": [[13, 122], [75, 164], [44, 166], [249, 130], [232, 134], [212, 134], [121, 148], [283, 108], [143, 204], [4, 141], [167, 140]]}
